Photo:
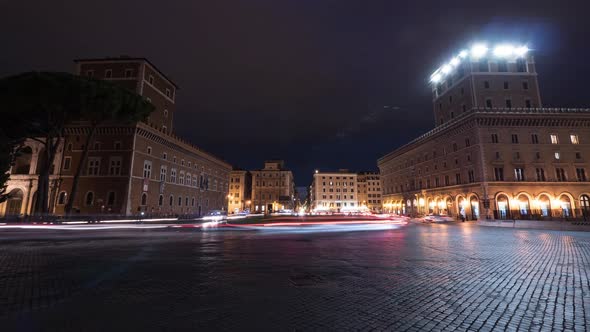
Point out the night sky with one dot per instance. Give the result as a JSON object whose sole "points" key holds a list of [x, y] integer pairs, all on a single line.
{"points": [[320, 84]]}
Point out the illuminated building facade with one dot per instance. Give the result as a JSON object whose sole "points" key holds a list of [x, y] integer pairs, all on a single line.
{"points": [[273, 188], [240, 190], [130, 169], [369, 191], [495, 153], [334, 191]]}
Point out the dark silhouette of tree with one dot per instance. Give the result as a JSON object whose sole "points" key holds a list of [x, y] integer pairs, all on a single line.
{"points": [[106, 103]]}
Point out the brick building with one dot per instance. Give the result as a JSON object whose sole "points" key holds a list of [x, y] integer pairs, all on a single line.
{"points": [[273, 188], [495, 152], [141, 167], [240, 191]]}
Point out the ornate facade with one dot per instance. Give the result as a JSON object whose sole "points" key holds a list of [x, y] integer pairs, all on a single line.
{"points": [[495, 153]]}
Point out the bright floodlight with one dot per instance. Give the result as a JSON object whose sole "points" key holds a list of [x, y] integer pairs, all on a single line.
{"points": [[455, 62], [479, 50], [521, 51], [503, 50], [463, 54], [435, 78], [446, 69]]}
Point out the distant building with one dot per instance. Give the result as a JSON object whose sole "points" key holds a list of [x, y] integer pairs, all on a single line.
{"points": [[334, 191], [240, 191], [495, 153], [273, 187], [140, 167], [369, 191]]}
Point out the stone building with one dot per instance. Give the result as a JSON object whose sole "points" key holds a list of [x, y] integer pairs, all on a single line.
{"points": [[369, 191], [273, 188], [334, 191], [140, 167], [240, 191], [495, 152]]}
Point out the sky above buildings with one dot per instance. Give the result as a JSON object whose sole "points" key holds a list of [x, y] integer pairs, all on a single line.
{"points": [[321, 84]]}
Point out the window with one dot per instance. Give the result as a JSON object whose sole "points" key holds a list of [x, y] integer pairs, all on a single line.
{"points": [[471, 176], [181, 178], [464, 108], [578, 155], [70, 146], [179, 201], [67, 163], [557, 156], [581, 174], [502, 66], [508, 103], [454, 147], [516, 155], [173, 175], [499, 173], [467, 143], [534, 138], [96, 145], [498, 157], [115, 166], [108, 73], [89, 199], [147, 169], [447, 180], [171, 200], [514, 138], [149, 150], [151, 80], [90, 73], [527, 103], [452, 115], [117, 145], [168, 93], [164, 156], [521, 66], [450, 99], [61, 199], [538, 155], [506, 85], [540, 174], [161, 200], [560, 174], [574, 139], [93, 166], [186, 201], [488, 103], [525, 85], [128, 73], [494, 138], [486, 84], [166, 113], [519, 174], [554, 139], [458, 178], [484, 66], [111, 198]]}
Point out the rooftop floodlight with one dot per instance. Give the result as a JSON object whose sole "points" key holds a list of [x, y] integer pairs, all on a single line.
{"points": [[521, 51], [463, 54], [435, 78], [479, 50], [503, 50], [455, 62], [446, 69]]}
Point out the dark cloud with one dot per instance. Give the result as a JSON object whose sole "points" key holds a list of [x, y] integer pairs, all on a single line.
{"points": [[301, 80]]}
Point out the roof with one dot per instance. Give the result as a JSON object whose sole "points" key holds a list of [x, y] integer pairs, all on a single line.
{"points": [[127, 59]]}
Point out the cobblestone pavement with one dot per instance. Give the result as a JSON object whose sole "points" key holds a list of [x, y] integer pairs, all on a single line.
{"points": [[419, 277]]}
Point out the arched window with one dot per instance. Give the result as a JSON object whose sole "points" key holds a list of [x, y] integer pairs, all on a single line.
{"points": [[503, 207], [186, 201], [89, 199], [111, 198], [193, 202], [171, 200], [179, 201], [61, 199], [143, 199], [161, 200], [585, 203]]}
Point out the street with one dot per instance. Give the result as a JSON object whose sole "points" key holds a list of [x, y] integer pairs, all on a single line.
{"points": [[413, 277]]}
